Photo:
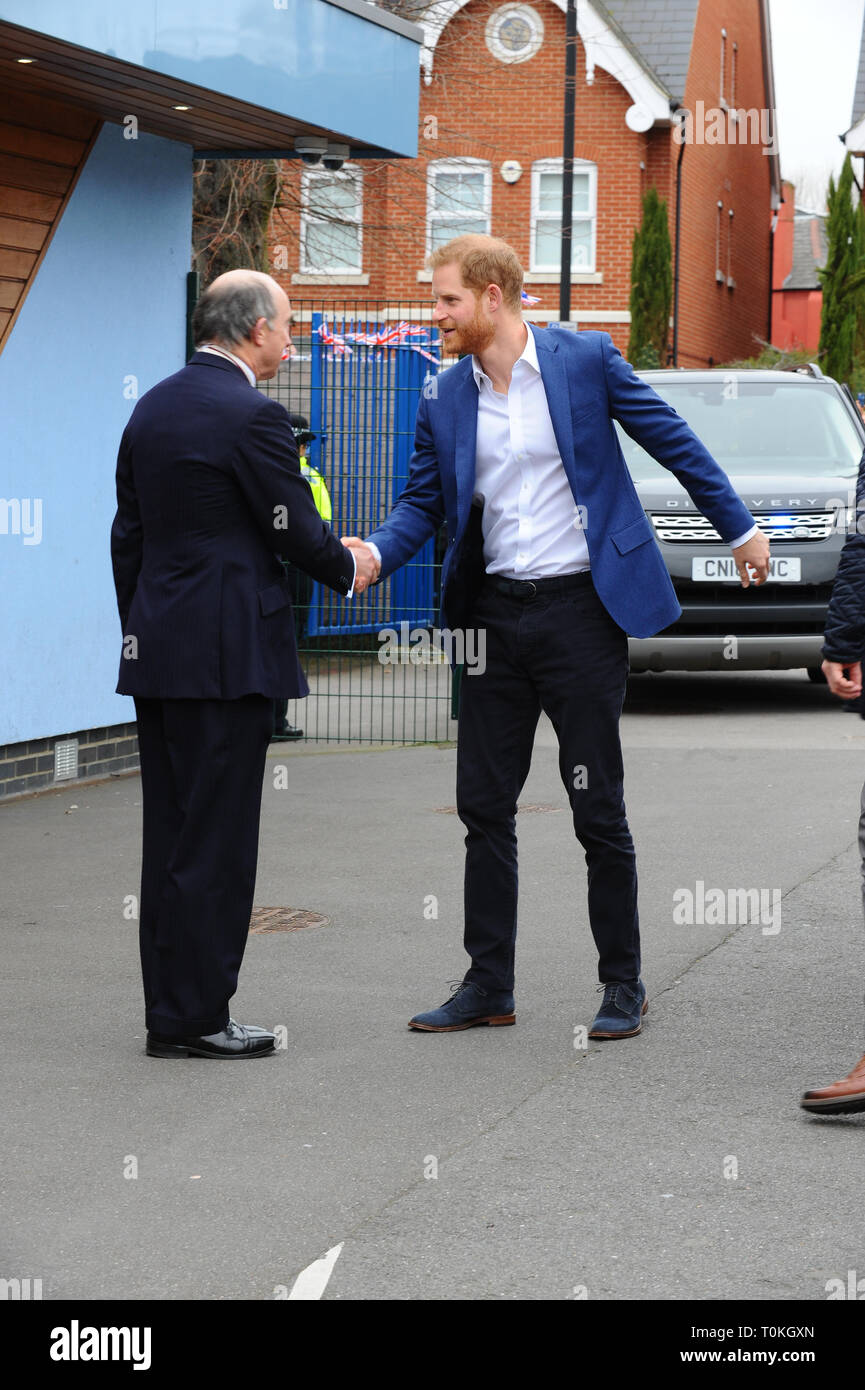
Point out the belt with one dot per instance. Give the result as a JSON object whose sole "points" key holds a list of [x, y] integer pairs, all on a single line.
{"points": [[531, 588]]}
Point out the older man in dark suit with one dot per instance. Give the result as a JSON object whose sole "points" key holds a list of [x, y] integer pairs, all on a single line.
{"points": [[209, 495]]}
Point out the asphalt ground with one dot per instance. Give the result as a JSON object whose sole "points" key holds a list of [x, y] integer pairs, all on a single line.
{"points": [[492, 1164]]}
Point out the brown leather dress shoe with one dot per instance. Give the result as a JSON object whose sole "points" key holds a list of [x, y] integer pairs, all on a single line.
{"points": [[841, 1098]]}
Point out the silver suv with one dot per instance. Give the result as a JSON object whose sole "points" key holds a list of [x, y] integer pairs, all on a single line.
{"points": [[791, 443]]}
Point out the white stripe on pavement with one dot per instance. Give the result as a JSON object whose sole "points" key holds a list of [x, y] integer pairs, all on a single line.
{"points": [[312, 1281]]}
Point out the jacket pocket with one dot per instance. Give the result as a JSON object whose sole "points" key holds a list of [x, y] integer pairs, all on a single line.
{"points": [[272, 599], [636, 533]]}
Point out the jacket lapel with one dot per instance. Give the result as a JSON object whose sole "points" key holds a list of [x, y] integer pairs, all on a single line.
{"points": [[465, 418], [555, 378]]}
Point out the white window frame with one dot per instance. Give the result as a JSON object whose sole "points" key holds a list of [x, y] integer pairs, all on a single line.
{"points": [[456, 166], [555, 166], [309, 177]]}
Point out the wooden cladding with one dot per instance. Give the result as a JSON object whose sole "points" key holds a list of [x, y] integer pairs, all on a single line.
{"points": [[43, 148]]}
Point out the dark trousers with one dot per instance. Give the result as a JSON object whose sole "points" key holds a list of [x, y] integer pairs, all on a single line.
{"points": [[202, 763], [562, 653]]}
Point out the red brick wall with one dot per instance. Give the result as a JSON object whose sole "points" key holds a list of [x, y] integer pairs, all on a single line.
{"points": [[493, 111], [715, 322]]}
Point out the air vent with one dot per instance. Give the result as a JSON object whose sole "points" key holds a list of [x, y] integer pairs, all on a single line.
{"points": [[66, 760]]}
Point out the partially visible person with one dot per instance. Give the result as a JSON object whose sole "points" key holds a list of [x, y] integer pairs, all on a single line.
{"points": [[299, 582], [209, 495], [843, 645]]}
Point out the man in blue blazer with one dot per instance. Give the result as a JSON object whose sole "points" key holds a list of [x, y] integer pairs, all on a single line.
{"points": [[551, 559], [209, 495]]}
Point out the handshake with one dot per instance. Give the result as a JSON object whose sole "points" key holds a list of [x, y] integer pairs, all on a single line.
{"points": [[368, 566]]}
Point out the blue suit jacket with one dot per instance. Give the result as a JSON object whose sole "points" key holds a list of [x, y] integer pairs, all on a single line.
{"points": [[209, 494], [588, 385]]}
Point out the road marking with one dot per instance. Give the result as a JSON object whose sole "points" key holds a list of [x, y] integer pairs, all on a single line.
{"points": [[312, 1281]]}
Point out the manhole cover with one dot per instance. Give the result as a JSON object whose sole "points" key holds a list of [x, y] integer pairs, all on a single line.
{"points": [[270, 919], [452, 810]]}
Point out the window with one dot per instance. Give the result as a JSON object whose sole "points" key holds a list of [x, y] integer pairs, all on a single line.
{"points": [[330, 224], [458, 199], [719, 274], [723, 65], [514, 33], [546, 252]]}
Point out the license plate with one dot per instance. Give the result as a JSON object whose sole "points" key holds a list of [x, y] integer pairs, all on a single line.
{"points": [[721, 569]]}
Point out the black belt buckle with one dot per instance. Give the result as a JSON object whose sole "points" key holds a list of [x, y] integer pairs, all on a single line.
{"points": [[525, 588]]}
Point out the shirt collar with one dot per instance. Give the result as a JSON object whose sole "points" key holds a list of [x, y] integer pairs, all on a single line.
{"points": [[238, 361], [528, 355]]}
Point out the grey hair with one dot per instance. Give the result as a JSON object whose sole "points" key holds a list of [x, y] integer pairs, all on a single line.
{"points": [[228, 313]]}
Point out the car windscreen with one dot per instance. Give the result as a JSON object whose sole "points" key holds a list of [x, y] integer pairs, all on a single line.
{"points": [[759, 427]]}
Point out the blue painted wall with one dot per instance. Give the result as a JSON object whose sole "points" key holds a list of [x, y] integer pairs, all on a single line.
{"points": [[108, 305], [306, 58]]}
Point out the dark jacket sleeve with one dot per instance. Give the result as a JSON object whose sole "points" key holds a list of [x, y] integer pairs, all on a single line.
{"points": [[844, 636], [126, 543], [420, 509], [266, 467]]}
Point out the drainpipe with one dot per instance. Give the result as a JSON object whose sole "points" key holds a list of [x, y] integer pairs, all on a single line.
{"points": [[678, 246]]}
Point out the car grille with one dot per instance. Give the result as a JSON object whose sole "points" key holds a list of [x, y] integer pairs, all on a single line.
{"points": [[764, 610], [778, 526]]}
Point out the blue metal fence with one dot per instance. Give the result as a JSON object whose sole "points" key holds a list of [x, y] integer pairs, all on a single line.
{"points": [[366, 378], [356, 382]]}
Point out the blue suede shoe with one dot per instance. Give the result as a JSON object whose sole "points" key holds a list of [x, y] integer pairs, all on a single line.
{"points": [[468, 1006], [621, 1013]]}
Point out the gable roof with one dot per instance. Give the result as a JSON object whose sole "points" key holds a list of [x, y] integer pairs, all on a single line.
{"points": [[809, 252], [661, 32]]}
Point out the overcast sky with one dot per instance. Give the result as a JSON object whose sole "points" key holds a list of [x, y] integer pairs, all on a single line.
{"points": [[815, 45]]}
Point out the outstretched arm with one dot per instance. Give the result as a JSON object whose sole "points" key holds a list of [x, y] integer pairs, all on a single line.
{"points": [[662, 432]]}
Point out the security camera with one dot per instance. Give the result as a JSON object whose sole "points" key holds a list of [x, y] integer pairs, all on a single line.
{"points": [[335, 156], [310, 148]]}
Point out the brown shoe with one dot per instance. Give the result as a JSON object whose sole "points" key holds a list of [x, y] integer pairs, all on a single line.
{"points": [[841, 1098]]}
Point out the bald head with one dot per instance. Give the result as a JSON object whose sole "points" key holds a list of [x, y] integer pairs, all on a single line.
{"points": [[246, 312]]}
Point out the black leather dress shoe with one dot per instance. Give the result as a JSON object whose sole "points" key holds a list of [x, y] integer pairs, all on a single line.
{"points": [[235, 1040], [286, 735]]}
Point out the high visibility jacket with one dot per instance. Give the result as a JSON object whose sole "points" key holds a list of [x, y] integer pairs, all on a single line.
{"points": [[320, 494]]}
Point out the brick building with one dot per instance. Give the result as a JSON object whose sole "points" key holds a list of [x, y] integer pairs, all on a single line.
{"points": [[490, 140], [797, 296]]}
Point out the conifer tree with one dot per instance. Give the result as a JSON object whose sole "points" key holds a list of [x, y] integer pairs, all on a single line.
{"points": [[651, 285]]}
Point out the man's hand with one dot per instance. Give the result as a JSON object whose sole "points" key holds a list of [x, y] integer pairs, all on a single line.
{"points": [[367, 565], [753, 555], [838, 682]]}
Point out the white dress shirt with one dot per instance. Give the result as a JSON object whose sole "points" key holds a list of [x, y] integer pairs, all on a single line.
{"points": [[532, 525], [238, 361]]}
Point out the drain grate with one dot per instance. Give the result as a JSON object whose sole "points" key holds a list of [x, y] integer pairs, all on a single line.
{"points": [[272, 919], [539, 806]]}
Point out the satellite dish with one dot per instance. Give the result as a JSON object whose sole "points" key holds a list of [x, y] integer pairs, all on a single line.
{"points": [[639, 118]]}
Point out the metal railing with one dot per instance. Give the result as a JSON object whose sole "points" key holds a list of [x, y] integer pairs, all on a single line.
{"points": [[355, 381]]}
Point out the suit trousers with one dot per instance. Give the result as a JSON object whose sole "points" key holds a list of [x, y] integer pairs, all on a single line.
{"points": [[562, 653], [202, 763]]}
